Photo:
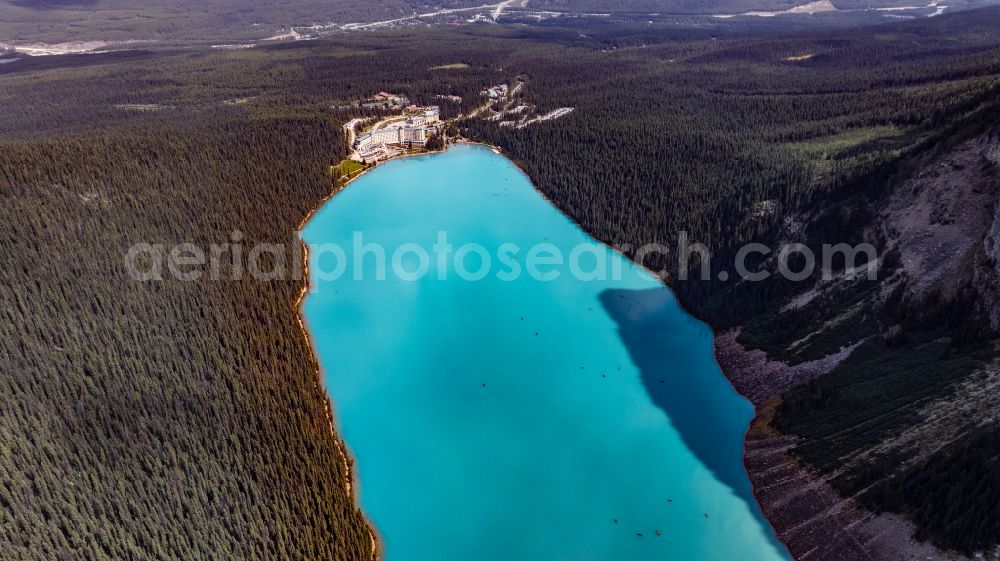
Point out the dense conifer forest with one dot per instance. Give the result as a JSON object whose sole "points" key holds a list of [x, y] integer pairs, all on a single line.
{"points": [[144, 20], [162, 420], [173, 420]]}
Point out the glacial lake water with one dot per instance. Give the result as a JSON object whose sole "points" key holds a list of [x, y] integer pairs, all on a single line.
{"points": [[520, 418]]}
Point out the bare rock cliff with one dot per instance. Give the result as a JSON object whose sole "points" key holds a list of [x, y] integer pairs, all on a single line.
{"points": [[943, 223]]}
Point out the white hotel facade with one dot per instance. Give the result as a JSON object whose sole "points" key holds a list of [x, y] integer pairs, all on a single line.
{"points": [[414, 130]]}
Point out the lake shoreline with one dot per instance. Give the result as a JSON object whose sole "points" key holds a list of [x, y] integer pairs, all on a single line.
{"points": [[727, 368], [805, 511], [348, 459]]}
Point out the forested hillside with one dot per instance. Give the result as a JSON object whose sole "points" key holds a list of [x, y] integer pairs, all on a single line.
{"points": [[220, 21], [162, 420], [696, 6], [136, 20], [697, 135], [172, 420], [807, 140], [661, 8]]}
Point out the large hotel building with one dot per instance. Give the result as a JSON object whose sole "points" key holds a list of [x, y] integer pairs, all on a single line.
{"points": [[414, 130]]}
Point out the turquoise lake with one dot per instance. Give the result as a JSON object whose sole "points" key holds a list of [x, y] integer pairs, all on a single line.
{"points": [[521, 419]]}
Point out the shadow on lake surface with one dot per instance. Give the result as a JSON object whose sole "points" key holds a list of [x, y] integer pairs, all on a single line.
{"points": [[680, 374]]}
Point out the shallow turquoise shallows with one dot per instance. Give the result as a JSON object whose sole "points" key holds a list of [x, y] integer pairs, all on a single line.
{"points": [[520, 420]]}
